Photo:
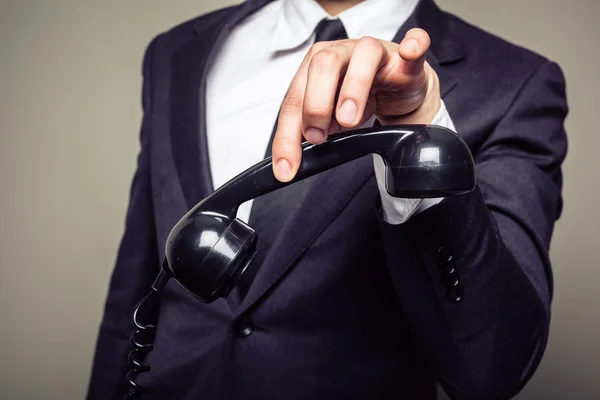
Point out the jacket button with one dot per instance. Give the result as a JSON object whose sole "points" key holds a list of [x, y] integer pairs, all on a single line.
{"points": [[243, 328], [454, 295]]}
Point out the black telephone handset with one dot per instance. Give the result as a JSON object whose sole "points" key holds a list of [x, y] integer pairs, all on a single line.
{"points": [[209, 248]]}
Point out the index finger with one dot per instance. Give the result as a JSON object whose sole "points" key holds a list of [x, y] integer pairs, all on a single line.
{"points": [[287, 150]]}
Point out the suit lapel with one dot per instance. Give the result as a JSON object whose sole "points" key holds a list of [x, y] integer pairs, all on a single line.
{"points": [[191, 65], [190, 68], [189, 149], [314, 214]]}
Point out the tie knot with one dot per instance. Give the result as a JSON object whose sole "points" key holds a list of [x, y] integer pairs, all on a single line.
{"points": [[329, 30]]}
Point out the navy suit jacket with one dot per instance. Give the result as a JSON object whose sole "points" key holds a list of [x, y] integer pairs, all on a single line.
{"points": [[345, 305]]}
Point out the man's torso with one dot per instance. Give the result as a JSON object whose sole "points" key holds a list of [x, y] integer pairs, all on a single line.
{"points": [[321, 320]]}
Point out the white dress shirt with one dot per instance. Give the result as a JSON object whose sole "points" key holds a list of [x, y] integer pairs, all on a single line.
{"points": [[254, 69]]}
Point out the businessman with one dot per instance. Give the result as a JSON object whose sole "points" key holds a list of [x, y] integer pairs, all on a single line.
{"points": [[355, 294]]}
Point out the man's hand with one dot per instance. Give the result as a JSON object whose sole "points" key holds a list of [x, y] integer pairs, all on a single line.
{"points": [[373, 77]]}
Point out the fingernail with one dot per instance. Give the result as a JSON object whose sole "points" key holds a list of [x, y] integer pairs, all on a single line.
{"points": [[315, 136], [412, 44], [348, 112], [283, 170]]}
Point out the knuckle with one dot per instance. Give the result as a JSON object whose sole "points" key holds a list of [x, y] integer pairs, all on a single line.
{"points": [[316, 111], [357, 80], [371, 45], [369, 42], [317, 47], [291, 105], [326, 58], [283, 143]]}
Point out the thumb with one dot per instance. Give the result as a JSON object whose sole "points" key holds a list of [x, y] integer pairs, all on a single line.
{"points": [[413, 50]]}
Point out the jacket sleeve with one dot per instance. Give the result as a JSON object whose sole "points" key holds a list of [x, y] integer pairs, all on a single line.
{"points": [[475, 281], [136, 267]]}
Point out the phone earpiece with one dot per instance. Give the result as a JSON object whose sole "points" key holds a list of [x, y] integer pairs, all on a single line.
{"points": [[207, 253], [430, 162]]}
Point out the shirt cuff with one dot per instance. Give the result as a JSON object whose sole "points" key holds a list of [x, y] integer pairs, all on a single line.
{"points": [[396, 210]]}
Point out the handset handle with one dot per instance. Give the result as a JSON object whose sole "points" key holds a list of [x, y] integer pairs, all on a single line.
{"points": [[422, 161], [209, 249]]}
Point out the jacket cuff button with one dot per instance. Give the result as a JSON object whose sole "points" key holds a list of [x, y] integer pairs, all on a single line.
{"points": [[444, 256], [454, 295], [451, 281]]}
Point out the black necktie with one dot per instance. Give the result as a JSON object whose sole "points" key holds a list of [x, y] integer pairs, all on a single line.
{"points": [[329, 30], [270, 212]]}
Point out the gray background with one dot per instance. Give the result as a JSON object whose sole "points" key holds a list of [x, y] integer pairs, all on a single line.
{"points": [[69, 117]]}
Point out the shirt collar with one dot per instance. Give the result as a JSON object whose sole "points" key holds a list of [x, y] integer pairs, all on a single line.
{"points": [[379, 18]]}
